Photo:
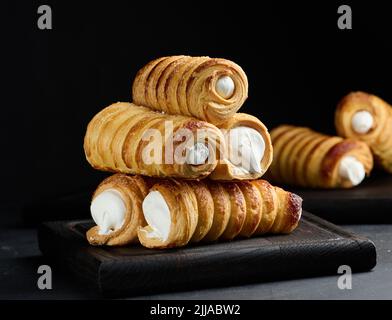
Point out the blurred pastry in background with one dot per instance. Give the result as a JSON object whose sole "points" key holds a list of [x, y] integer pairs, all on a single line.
{"points": [[306, 158], [368, 118]]}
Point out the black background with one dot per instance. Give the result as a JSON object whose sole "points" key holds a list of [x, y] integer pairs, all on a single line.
{"points": [[299, 64]]}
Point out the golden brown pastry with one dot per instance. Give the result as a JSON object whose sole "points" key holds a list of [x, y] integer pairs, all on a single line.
{"points": [[366, 117], [132, 139], [269, 206], [116, 208], [206, 88], [307, 158], [248, 149], [243, 208], [171, 212], [221, 210], [205, 206]]}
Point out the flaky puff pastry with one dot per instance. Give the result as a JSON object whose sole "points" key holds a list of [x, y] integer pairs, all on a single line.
{"points": [[235, 209], [225, 170], [378, 135], [133, 190], [307, 158], [188, 86], [119, 139]]}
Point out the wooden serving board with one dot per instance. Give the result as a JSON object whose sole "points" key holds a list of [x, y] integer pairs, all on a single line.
{"points": [[370, 202], [316, 247]]}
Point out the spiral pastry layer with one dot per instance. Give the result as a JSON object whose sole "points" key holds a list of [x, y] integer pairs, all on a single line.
{"points": [[209, 89], [132, 139], [208, 211]]}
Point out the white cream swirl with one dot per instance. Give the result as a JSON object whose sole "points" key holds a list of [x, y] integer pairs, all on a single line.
{"points": [[352, 169], [225, 87], [197, 154], [157, 214], [108, 211], [362, 122], [246, 149]]}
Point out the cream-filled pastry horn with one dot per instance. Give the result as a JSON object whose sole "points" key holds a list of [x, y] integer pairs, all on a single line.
{"points": [[178, 213], [209, 89], [248, 149], [368, 118], [116, 208], [307, 158], [171, 212], [132, 139]]}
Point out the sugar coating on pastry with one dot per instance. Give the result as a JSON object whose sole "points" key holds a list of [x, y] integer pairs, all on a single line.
{"points": [[197, 154], [352, 169], [225, 87], [108, 211], [157, 214], [246, 150], [362, 122]]}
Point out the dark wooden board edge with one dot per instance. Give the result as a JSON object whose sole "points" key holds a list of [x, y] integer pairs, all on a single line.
{"points": [[370, 202], [228, 268], [349, 211], [58, 243]]}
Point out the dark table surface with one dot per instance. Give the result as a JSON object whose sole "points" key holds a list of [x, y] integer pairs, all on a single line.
{"points": [[20, 258]]}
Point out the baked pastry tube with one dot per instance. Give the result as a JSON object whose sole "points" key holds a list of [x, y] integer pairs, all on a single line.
{"points": [[171, 212], [206, 88], [238, 209], [363, 116], [116, 208], [205, 208], [248, 149], [307, 158], [132, 139]]}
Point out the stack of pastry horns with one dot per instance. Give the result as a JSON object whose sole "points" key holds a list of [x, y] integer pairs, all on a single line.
{"points": [[187, 165]]}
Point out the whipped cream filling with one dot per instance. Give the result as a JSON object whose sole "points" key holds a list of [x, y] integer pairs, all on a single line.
{"points": [[108, 211], [362, 122], [225, 87], [353, 170], [157, 214], [197, 154], [246, 150], [300, 214]]}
